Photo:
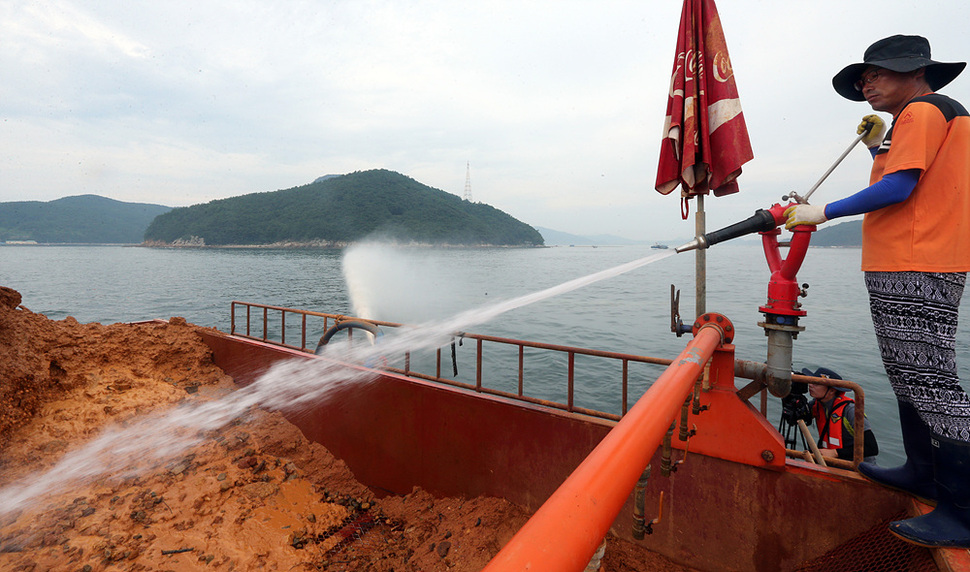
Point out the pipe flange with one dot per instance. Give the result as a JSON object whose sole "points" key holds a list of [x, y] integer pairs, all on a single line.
{"points": [[781, 328], [719, 321]]}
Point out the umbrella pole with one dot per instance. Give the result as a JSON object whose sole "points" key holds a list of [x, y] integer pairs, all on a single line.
{"points": [[700, 260]]}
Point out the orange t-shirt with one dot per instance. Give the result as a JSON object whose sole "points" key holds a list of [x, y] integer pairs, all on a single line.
{"points": [[930, 230]]}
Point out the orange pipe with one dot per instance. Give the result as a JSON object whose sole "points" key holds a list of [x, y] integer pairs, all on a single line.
{"points": [[565, 532]]}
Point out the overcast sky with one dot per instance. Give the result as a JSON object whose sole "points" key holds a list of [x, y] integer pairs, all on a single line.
{"points": [[558, 106]]}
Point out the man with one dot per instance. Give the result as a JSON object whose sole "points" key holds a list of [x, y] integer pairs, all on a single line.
{"points": [[915, 257], [834, 416]]}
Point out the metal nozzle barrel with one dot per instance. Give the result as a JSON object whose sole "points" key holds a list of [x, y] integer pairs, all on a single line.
{"points": [[699, 243], [761, 221]]}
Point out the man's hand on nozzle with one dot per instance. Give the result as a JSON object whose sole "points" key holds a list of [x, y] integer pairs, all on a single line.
{"points": [[876, 134], [804, 214]]}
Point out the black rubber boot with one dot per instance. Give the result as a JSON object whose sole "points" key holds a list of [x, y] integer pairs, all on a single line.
{"points": [[948, 525], [915, 476]]}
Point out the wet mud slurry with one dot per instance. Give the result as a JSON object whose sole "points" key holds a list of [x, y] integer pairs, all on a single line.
{"points": [[252, 495]]}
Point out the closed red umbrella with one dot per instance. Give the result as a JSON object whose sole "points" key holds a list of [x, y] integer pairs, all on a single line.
{"points": [[705, 137]]}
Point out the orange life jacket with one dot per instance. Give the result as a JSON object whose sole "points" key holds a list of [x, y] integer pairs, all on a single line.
{"points": [[830, 428]]}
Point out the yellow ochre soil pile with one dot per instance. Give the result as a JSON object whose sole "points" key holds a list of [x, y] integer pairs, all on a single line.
{"points": [[253, 495]]}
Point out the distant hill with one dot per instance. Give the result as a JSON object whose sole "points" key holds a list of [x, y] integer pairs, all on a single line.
{"points": [[342, 209], [846, 234], [842, 234], [556, 237], [82, 219]]}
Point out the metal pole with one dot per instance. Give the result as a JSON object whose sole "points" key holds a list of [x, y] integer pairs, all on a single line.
{"points": [[810, 441], [700, 261], [804, 200]]}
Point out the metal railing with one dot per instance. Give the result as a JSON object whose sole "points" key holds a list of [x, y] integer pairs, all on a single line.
{"points": [[269, 325]]}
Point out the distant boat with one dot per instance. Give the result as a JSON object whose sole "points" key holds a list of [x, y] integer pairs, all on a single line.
{"points": [[659, 246]]}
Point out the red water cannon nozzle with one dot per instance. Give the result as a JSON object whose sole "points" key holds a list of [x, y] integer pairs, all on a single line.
{"points": [[783, 309]]}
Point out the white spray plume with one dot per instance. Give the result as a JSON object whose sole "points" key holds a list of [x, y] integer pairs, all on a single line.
{"points": [[287, 386]]}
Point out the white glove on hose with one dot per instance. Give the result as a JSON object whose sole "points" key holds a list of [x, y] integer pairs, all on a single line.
{"points": [[804, 214]]}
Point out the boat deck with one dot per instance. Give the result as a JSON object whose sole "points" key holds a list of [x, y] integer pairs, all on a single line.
{"points": [[732, 501]]}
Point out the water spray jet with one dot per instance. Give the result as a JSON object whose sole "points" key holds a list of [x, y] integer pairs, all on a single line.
{"points": [[289, 385]]}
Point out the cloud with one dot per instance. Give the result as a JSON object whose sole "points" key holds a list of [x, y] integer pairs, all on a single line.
{"points": [[59, 26], [557, 105]]}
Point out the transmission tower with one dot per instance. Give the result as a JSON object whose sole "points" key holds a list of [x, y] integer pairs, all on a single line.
{"points": [[468, 181]]}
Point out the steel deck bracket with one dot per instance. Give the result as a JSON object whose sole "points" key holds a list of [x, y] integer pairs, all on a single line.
{"points": [[731, 428]]}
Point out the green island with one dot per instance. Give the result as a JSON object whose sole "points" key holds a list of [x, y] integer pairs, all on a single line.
{"points": [[338, 210]]}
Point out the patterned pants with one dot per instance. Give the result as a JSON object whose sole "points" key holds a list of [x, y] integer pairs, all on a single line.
{"points": [[915, 317]]}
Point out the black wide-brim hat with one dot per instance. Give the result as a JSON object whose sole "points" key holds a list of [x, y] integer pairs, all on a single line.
{"points": [[899, 54], [821, 372]]}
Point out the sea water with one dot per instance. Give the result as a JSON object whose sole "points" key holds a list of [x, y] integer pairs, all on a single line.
{"points": [[626, 312]]}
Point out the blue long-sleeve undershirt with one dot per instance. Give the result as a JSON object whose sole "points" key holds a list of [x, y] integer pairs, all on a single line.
{"points": [[891, 189]]}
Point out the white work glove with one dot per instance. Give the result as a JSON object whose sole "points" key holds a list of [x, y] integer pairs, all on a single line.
{"points": [[804, 214], [876, 134]]}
